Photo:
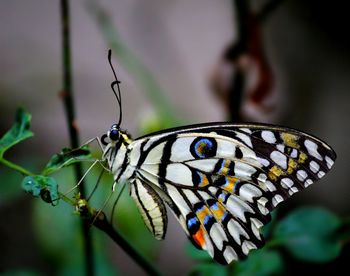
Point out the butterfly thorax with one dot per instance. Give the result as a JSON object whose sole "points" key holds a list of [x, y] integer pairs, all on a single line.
{"points": [[116, 154]]}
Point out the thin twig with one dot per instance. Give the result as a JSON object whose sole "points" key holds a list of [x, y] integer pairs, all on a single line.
{"points": [[99, 220], [67, 96], [103, 224]]}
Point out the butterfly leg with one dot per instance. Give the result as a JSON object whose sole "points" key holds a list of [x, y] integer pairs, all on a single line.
{"points": [[83, 177], [92, 140]]}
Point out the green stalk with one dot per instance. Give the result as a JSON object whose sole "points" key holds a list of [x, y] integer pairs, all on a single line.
{"points": [[15, 167]]}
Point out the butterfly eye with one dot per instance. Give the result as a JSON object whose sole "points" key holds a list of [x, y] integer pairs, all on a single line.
{"points": [[114, 134]]}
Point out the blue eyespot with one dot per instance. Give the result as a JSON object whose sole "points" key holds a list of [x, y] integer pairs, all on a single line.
{"points": [[203, 147]]}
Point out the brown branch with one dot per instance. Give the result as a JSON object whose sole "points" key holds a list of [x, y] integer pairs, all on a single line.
{"points": [[100, 221], [67, 97]]}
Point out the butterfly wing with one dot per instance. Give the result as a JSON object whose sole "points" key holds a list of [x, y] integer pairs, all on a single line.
{"points": [[222, 180], [151, 207]]}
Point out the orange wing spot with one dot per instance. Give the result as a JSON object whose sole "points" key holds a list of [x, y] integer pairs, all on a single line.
{"points": [[204, 181], [225, 168], [202, 213], [230, 183], [275, 172], [290, 140], [292, 165], [218, 211], [302, 157], [199, 237]]}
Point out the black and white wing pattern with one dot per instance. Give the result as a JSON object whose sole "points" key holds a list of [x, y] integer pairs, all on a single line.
{"points": [[222, 180]]}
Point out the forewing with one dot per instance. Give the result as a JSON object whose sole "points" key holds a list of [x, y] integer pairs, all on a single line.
{"points": [[222, 180]]}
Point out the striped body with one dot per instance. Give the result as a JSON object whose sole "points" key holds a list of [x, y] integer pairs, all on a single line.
{"points": [[220, 180]]}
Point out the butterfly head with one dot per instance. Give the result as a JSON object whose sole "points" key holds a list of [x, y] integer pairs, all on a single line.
{"points": [[115, 135]]}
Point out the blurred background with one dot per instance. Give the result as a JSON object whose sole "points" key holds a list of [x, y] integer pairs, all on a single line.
{"points": [[180, 62]]}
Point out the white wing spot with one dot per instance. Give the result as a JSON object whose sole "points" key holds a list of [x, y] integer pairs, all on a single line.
{"points": [[293, 190], [255, 227], [262, 177], [312, 149], [287, 182], [314, 167], [218, 235], [263, 209], [191, 196], [294, 153], [279, 158], [301, 175], [243, 170], [329, 161], [238, 207], [280, 147], [308, 182], [277, 199], [230, 254], [245, 138], [249, 192], [263, 161], [247, 246], [321, 174], [247, 130], [270, 186], [236, 231], [262, 201], [268, 136]]}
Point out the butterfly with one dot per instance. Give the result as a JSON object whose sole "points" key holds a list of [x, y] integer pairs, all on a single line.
{"points": [[220, 180]]}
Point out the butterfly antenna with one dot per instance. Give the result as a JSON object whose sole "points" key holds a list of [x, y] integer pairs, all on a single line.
{"points": [[116, 82]]}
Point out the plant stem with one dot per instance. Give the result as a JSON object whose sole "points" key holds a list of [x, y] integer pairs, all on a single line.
{"points": [[102, 223], [67, 96], [15, 167], [99, 220], [66, 199]]}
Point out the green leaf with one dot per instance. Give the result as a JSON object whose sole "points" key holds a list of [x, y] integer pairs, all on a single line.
{"points": [[17, 133], [310, 234], [260, 263], [43, 186], [197, 254], [66, 158], [209, 269]]}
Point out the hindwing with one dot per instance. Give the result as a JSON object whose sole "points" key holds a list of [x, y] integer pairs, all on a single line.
{"points": [[222, 180], [151, 207]]}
